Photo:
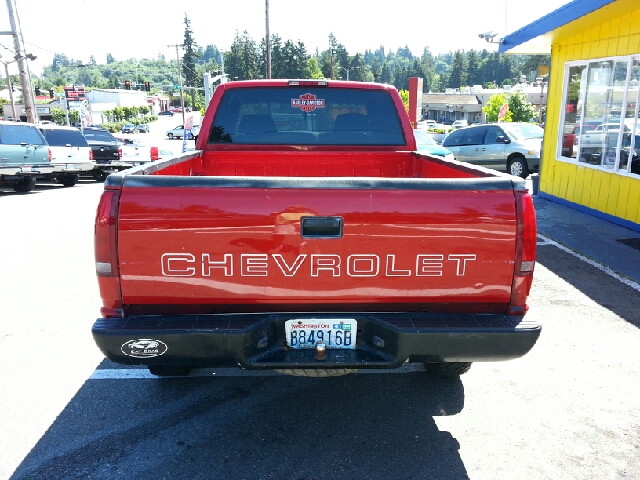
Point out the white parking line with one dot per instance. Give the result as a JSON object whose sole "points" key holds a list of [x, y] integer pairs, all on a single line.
{"points": [[602, 268], [142, 373]]}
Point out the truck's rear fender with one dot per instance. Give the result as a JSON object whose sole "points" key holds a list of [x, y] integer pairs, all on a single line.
{"points": [[525, 253], [106, 253]]}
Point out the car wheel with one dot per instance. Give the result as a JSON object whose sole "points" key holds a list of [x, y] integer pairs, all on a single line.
{"points": [[170, 135], [518, 167], [447, 369], [70, 179], [98, 175], [24, 185]]}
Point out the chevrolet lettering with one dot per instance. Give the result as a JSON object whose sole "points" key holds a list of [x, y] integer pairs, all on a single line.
{"points": [[306, 234], [357, 265]]}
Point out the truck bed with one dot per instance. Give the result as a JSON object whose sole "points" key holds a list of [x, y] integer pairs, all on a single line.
{"points": [[413, 233], [316, 164]]}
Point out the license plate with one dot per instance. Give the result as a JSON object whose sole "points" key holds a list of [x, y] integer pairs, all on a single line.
{"points": [[25, 169], [334, 333], [72, 166]]}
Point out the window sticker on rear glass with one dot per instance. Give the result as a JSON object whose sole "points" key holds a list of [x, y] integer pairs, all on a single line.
{"points": [[307, 102]]}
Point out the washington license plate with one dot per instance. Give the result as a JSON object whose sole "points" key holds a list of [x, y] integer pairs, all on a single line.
{"points": [[334, 333]]}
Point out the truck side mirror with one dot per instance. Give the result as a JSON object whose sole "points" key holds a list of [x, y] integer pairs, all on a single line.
{"points": [[502, 139]]}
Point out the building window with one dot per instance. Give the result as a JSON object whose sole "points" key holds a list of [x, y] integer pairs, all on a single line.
{"points": [[600, 121]]}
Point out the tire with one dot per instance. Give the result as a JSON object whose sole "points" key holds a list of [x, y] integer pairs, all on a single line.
{"points": [[170, 370], [24, 185], [70, 179], [518, 167], [316, 372], [170, 135], [98, 175], [447, 369]]}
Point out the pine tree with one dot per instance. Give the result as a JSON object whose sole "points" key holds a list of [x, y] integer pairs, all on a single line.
{"points": [[189, 74], [459, 73]]}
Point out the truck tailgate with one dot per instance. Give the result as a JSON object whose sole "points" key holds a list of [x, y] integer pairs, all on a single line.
{"points": [[219, 246]]}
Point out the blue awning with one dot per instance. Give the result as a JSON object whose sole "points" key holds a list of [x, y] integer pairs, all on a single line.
{"points": [[536, 37]]}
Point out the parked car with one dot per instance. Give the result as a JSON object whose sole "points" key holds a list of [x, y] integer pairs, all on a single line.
{"points": [[129, 128], [427, 124], [24, 155], [514, 147], [71, 155], [168, 113], [459, 124], [143, 128], [426, 144], [178, 132]]}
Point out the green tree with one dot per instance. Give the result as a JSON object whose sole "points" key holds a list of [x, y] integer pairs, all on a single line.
{"points": [[492, 108], [312, 70], [118, 114], [241, 61], [459, 71], [386, 76], [473, 68], [521, 110], [130, 112], [436, 85], [74, 117], [357, 69], [58, 116], [404, 95], [189, 72]]}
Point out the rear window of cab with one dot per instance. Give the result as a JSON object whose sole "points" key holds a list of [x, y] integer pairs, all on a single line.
{"points": [[307, 115], [63, 137], [16, 134]]}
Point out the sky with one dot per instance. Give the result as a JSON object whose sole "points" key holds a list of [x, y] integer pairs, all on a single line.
{"points": [[144, 29]]}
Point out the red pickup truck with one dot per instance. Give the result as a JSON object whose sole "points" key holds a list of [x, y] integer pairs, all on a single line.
{"points": [[306, 234]]}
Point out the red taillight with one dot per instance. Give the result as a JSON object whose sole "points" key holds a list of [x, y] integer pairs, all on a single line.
{"points": [[525, 253], [120, 152], [50, 155], [154, 153], [90, 154], [106, 253]]}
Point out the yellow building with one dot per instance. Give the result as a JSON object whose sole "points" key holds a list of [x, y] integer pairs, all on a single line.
{"points": [[591, 153]]}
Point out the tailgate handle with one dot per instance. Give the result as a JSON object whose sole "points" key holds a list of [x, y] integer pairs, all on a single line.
{"points": [[321, 227]]}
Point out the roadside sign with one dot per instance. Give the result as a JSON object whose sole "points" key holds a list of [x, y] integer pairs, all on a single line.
{"points": [[176, 87]]}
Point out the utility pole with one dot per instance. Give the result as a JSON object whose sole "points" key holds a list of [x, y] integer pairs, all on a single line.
{"points": [[179, 80], [25, 78], [268, 41], [331, 65]]}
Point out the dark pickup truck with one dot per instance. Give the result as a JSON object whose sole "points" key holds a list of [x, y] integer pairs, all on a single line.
{"points": [[106, 152]]}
